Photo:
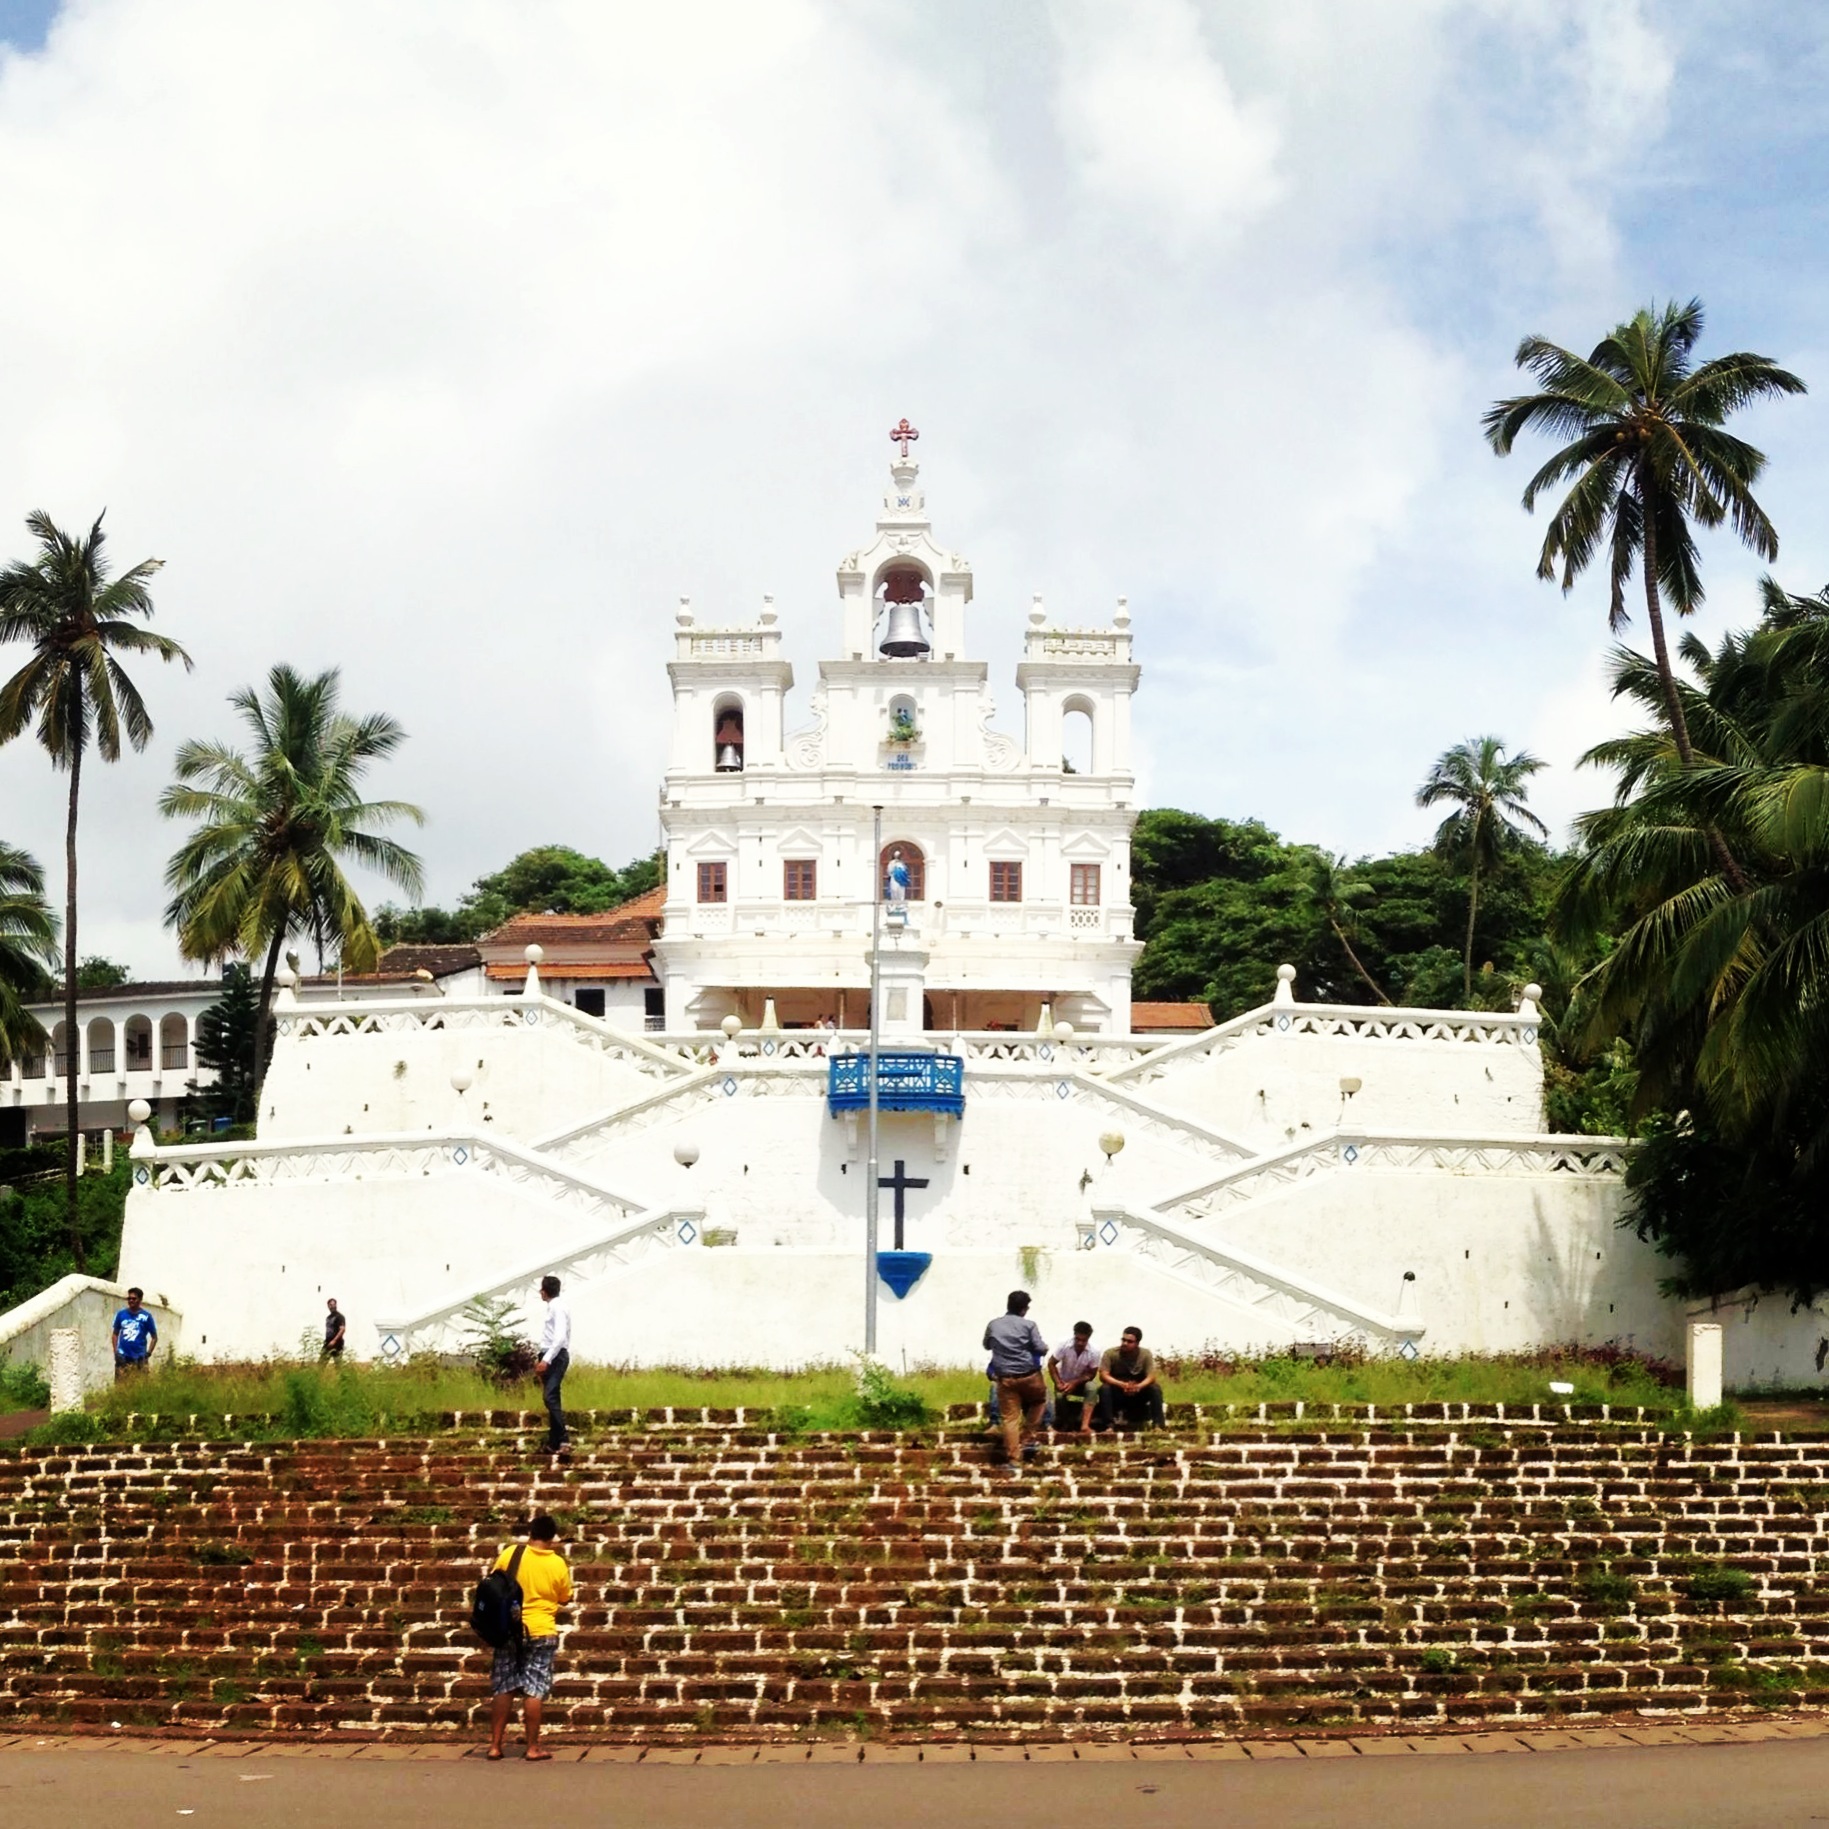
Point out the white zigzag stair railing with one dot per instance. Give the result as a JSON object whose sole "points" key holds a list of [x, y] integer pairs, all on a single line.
{"points": [[389, 1016], [804, 1074], [1397, 1152], [197, 1168], [1466, 1028], [441, 1328], [1301, 1306]]}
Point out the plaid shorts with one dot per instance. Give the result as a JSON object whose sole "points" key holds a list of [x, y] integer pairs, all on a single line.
{"points": [[524, 1667]]}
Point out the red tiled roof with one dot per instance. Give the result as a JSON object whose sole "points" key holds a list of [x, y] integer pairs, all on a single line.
{"points": [[509, 971], [628, 925], [1148, 1017], [440, 961]]}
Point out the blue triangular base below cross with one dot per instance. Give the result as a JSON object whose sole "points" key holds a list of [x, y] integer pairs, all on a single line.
{"points": [[901, 1270]]}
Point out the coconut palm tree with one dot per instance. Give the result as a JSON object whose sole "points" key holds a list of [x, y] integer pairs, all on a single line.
{"points": [[1338, 897], [1487, 790], [1721, 983], [277, 824], [1647, 456], [28, 951], [77, 620]]}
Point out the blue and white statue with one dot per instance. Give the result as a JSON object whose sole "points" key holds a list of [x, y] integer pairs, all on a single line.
{"points": [[895, 880]]}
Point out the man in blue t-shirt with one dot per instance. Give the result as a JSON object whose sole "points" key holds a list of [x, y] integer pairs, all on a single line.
{"points": [[136, 1333]]}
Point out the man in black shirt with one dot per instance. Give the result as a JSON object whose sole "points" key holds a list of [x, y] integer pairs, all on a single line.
{"points": [[334, 1329]]}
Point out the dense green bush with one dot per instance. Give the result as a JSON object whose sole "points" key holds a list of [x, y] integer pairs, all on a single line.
{"points": [[35, 1230]]}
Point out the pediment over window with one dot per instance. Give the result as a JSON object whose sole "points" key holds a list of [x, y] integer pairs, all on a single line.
{"points": [[712, 844], [799, 843], [1006, 844], [1084, 848]]}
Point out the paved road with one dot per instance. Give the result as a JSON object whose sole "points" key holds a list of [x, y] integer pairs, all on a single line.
{"points": [[1766, 1786]]}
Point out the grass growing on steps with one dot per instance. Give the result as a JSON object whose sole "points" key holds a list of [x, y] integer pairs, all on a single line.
{"points": [[306, 1399]]}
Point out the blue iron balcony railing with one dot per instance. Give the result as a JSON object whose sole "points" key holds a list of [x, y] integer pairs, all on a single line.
{"points": [[906, 1080]]}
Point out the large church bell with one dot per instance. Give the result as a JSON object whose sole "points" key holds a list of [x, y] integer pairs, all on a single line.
{"points": [[903, 638]]}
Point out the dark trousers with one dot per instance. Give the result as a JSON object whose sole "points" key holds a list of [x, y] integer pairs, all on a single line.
{"points": [[552, 1386], [1144, 1407]]}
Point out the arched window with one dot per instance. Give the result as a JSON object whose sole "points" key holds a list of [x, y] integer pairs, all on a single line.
{"points": [[915, 860], [174, 1044], [138, 1038], [1076, 737], [727, 737], [60, 1050], [101, 1046]]}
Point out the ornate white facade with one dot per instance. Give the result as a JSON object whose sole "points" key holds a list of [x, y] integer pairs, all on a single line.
{"points": [[1021, 862], [1301, 1173]]}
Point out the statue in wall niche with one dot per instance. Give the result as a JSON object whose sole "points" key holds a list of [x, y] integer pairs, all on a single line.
{"points": [[896, 878]]}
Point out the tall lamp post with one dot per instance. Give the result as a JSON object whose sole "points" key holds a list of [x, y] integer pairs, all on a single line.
{"points": [[871, 1192]]}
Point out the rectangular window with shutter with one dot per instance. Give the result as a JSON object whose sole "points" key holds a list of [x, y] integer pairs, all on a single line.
{"points": [[1085, 886], [1006, 882], [799, 880], [712, 879]]}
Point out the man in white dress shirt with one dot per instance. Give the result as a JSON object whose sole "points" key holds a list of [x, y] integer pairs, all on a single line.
{"points": [[555, 1357]]}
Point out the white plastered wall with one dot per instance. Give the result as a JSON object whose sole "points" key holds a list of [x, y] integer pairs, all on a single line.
{"points": [[528, 1079], [1276, 1089]]}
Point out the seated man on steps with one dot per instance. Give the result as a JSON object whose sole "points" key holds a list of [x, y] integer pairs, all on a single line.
{"points": [[524, 1666], [1128, 1387], [1074, 1368]]}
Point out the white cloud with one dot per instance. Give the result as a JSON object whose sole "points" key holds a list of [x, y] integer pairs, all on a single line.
{"points": [[1151, 122], [450, 343]]}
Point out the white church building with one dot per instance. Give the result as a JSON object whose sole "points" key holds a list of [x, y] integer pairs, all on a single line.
{"points": [[681, 1137]]}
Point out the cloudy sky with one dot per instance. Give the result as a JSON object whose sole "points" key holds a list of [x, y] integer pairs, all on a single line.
{"points": [[450, 343]]}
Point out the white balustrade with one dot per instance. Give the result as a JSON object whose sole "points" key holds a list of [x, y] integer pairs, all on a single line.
{"points": [[1301, 1305], [1599, 1158], [1462, 1028], [412, 1015]]}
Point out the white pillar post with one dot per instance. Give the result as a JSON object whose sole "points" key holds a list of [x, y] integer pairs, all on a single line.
{"points": [[66, 1369], [1704, 1364]]}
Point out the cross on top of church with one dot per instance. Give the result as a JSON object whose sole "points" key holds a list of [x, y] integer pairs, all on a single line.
{"points": [[903, 435]]}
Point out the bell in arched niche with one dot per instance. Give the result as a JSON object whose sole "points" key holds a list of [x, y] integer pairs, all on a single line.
{"points": [[903, 637], [728, 743]]}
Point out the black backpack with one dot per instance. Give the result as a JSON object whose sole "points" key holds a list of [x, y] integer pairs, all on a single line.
{"points": [[495, 1609]]}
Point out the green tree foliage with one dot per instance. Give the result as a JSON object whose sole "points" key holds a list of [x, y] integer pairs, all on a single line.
{"points": [[225, 1045], [78, 620], [1718, 980], [546, 879], [1221, 904], [98, 974], [28, 948], [275, 828], [1647, 456], [35, 1247], [1486, 791]]}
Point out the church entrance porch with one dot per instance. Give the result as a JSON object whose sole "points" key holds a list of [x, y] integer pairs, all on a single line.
{"points": [[943, 1012]]}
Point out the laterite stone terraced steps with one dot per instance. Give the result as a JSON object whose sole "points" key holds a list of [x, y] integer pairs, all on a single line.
{"points": [[1224, 1575]]}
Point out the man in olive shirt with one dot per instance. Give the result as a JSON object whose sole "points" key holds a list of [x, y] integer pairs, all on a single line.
{"points": [[1128, 1387]]}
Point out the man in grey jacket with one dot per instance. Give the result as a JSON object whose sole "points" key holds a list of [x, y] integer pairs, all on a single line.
{"points": [[1017, 1350]]}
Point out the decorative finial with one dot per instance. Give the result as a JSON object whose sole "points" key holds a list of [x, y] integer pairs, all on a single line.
{"points": [[903, 435]]}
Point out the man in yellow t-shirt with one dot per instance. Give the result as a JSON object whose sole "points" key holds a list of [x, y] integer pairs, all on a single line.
{"points": [[524, 1666]]}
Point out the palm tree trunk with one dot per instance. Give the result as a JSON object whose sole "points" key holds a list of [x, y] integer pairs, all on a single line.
{"points": [[73, 1042], [1654, 612], [1346, 946], [1473, 903], [1673, 702], [260, 1018]]}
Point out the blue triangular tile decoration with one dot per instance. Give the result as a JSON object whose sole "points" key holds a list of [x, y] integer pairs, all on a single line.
{"points": [[901, 1270]]}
